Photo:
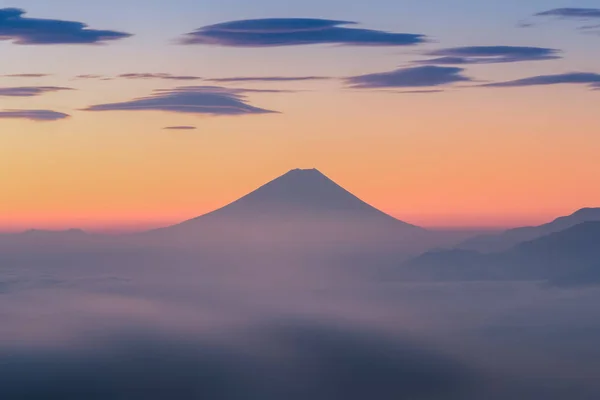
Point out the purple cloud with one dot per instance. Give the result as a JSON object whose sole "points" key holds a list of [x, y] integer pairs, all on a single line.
{"points": [[272, 32], [26, 75], [159, 76], [202, 100], [571, 13], [489, 55], [576, 14], [180, 128], [592, 80], [26, 31], [33, 115], [424, 76], [269, 79], [29, 91]]}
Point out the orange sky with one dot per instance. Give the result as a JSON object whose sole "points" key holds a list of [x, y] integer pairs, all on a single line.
{"points": [[474, 158], [467, 157]]}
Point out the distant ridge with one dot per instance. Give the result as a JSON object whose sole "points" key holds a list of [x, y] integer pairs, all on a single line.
{"points": [[510, 238], [567, 257]]}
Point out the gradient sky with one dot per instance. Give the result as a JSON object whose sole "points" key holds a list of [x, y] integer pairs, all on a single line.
{"points": [[462, 154]]}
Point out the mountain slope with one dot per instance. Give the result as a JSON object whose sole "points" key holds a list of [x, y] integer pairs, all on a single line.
{"points": [[512, 237]]}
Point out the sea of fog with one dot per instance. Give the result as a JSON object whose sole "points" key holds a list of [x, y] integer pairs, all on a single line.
{"points": [[264, 325]]}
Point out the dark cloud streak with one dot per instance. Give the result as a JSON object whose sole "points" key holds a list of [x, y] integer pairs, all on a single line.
{"points": [[270, 79], [424, 76], [295, 31], [592, 80], [26, 75], [571, 13], [164, 76], [33, 115], [30, 91], [36, 31], [489, 55], [202, 100], [180, 128]]}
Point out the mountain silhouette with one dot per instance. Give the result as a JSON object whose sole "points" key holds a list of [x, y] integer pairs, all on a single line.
{"points": [[567, 257], [299, 208], [512, 237], [305, 192]]}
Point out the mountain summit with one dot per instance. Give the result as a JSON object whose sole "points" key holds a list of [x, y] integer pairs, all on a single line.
{"points": [[302, 206]]}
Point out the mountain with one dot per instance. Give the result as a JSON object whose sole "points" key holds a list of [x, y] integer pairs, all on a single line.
{"points": [[300, 208], [512, 237], [567, 257]]}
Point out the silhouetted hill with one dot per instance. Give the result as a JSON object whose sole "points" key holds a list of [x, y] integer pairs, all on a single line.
{"points": [[571, 256], [507, 239]]}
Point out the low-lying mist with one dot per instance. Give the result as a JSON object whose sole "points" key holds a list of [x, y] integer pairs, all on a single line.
{"points": [[267, 324]]}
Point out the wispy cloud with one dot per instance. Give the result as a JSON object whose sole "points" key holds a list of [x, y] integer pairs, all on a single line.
{"points": [[33, 115], [202, 100], [269, 79], [180, 128], [590, 79], [91, 76], [424, 76], [572, 13], [421, 91], [164, 76], [489, 55], [273, 32], [23, 30], [30, 91], [26, 75], [575, 14]]}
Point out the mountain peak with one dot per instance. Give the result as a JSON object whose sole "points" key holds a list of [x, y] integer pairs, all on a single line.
{"points": [[299, 173], [305, 170]]}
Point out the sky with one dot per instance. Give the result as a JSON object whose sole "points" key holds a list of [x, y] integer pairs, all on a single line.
{"points": [[141, 113]]}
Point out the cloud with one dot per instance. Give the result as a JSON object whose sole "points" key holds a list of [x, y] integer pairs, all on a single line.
{"points": [[490, 55], [571, 13], [33, 115], [203, 100], [35, 31], [29, 91], [424, 76], [592, 80], [590, 29], [159, 76], [26, 75], [180, 128], [89, 76], [421, 91], [273, 32], [269, 79], [576, 14]]}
